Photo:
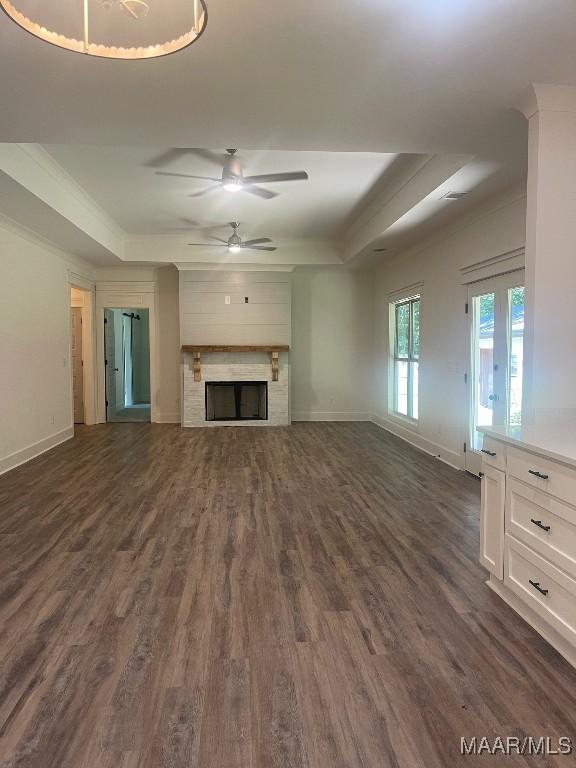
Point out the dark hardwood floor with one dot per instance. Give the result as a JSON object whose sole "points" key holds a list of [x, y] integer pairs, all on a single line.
{"points": [[302, 597]]}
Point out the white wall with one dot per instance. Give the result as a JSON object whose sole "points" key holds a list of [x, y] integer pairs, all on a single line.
{"points": [[494, 229], [206, 318], [331, 344], [167, 303], [35, 381]]}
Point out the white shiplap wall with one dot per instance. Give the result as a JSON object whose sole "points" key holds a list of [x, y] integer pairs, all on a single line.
{"points": [[206, 318]]}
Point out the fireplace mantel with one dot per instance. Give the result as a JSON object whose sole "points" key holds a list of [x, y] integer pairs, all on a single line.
{"points": [[197, 349]]}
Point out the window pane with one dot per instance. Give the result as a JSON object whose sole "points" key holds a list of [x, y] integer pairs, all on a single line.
{"points": [[414, 367], [401, 387], [515, 364], [415, 329], [483, 377], [402, 329]]}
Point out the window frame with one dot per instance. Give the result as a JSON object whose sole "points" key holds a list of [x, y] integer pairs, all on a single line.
{"points": [[409, 358]]}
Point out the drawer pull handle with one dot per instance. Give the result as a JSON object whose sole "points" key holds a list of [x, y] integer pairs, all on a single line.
{"points": [[540, 524], [490, 453], [536, 585], [538, 474]]}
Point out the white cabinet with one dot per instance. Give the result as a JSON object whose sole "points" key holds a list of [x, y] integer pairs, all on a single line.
{"points": [[528, 532], [492, 520]]}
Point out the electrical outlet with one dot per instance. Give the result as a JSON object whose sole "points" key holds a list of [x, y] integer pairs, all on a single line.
{"points": [[226, 299]]}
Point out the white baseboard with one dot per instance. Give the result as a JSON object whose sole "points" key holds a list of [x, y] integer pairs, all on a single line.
{"points": [[166, 418], [440, 452], [549, 634], [36, 449], [330, 416]]}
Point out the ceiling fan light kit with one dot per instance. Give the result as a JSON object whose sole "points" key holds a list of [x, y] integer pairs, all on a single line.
{"points": [[235, 244], [112, 29], [232, 177]]}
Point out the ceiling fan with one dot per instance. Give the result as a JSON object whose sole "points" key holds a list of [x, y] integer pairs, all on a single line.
{"points": [[232, 178], [235, 244]]}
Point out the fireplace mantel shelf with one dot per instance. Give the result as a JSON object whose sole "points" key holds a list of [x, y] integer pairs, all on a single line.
{"points": [[235, 348], [197, 349]]}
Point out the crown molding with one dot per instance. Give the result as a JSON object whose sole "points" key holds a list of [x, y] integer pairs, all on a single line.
{"points": [[230, 267]]}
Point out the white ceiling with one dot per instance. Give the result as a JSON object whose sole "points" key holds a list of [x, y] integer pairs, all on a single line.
{"points": [[371, 75], [120, 180], [294, 82]]}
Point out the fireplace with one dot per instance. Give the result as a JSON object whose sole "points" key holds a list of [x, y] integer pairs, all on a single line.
{"points": [[236, 400]]}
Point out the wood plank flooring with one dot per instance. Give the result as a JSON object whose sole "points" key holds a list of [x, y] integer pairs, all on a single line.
{"points": [[302, 597]]}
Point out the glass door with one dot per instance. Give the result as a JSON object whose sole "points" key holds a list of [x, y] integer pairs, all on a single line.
{"points": [[496, 311]]}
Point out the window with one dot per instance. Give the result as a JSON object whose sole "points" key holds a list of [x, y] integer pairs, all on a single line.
{"points": [[406, 319]]}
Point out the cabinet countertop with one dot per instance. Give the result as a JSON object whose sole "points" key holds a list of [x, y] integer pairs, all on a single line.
{"points": [[554, 442]]}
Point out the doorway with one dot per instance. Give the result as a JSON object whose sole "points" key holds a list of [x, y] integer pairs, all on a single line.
{"points": [[496, 311], [127, 364], [77, 366], [82, 349]]}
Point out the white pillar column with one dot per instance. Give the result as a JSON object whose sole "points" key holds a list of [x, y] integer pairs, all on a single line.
{"points": [[550, 342]]}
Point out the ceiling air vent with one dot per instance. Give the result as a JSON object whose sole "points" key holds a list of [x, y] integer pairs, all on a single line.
{"points": [[454, 195]]}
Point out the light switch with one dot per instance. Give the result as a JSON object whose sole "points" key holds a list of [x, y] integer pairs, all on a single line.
{"points": [[226, 299]]}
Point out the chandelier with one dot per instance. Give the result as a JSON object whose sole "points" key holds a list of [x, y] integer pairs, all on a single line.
{"points": [[112, 29]]}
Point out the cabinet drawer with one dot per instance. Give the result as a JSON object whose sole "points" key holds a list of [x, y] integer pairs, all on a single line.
{"points": [[493, 453], [543, 523], [547, 590], [543, 474]]}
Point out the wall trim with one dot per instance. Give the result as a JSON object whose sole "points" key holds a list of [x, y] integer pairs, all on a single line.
{"points": [[80, 281], [511, 261], [406, 292], [24, 455], [446, 455], [125, 286], [330, 416], [229, 267]]}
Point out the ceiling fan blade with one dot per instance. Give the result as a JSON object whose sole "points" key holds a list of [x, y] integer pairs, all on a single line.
{"points": [[165, 158], [267, 194], [209, 245], [259, 247], [177, 153], [185, 176], [256, 241], [207, 154], [219, 239], [203, 191], [268, 177]]}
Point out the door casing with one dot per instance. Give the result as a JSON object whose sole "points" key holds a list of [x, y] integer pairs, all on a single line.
{"points": [[500, 286]]}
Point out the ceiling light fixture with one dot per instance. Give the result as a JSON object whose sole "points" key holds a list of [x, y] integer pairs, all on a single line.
{"points": [[234, 248], [112, 29], [232, 186]]}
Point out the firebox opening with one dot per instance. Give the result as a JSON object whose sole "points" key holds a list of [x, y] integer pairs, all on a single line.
{"points": [[236, 400]]}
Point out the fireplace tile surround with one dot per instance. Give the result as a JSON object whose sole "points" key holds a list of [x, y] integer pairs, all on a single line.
{"points": [[235, 365]]}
